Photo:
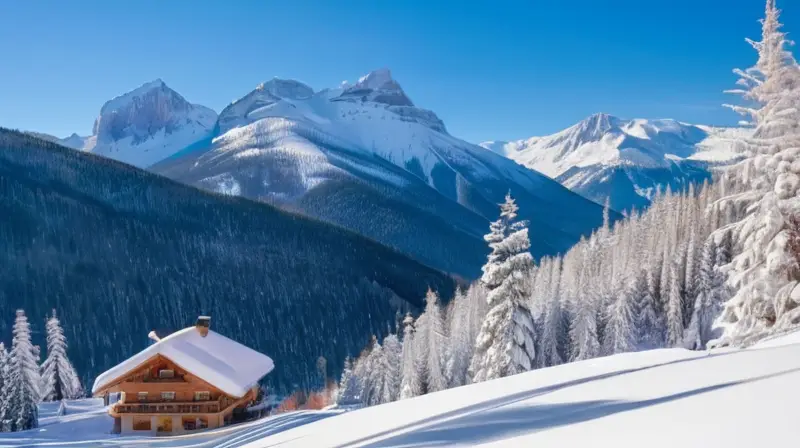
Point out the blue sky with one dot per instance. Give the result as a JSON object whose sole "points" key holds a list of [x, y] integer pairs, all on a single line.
{"points": [[490, 70]]}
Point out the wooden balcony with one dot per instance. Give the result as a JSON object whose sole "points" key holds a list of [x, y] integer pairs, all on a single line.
{"points": [[167, 407]]}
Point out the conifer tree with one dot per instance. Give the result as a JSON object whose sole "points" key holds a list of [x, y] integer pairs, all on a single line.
{"points": [[675, 308], [459, 343], [392, 365], [4, 387], [585, 342], [349, 385], [372, 374], [23, 380], [552, 327], [432, 330], [410, 384], [621, 334], [505, 344], [760, 273], [59, 379]]}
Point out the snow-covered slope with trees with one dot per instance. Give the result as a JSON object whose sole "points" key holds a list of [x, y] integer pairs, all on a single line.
{"points": [[660, 398], [730, 398], [625, 161], [363, 156], [146, 125]]}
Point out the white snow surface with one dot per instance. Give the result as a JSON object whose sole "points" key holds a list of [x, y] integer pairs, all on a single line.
{"points": [[661, 398], [606, 140], [221, 362], [86, 424]]}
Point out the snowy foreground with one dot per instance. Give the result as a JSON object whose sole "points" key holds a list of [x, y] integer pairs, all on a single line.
{"points": [[661, 398]]}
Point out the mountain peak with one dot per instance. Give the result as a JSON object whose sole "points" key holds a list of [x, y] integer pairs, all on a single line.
{"points": [[148, 123], [285, 88], [378, 86], [600, 121], [378, 79], [121, 101]]}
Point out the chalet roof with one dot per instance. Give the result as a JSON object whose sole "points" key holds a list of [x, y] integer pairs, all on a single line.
{"points": [[225, 364]]}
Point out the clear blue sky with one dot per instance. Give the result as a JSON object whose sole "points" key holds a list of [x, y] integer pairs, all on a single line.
{"points": [[490, 69]]}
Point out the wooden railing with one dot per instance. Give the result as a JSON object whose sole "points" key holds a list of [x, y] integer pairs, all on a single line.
{"points": [[190, 407]]}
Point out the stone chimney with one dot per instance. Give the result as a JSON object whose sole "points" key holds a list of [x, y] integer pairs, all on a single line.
{"points": [[202, 325]]}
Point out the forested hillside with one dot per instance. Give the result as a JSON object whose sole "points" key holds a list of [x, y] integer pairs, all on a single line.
{"points": [[119, 252]]}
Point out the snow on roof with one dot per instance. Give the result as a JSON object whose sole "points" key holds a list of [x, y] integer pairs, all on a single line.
{"points": [[225, 364]]}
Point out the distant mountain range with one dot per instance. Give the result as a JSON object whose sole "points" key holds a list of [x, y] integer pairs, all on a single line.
{"points": [[119, 251], [625, 160], [362, 156]]}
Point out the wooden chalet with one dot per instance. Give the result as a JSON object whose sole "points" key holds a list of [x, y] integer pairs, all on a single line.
{"points": [[193, 379]]}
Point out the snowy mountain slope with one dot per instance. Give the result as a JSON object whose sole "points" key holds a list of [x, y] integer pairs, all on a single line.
{"points": [[625, 160], [386, 157], [661, 398], [266, 94], [146, 125]]}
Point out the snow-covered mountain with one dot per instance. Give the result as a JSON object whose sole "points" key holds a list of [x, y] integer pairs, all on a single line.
{"points": [[364, 157], [625, 160], [146, 125], [74, 141]]}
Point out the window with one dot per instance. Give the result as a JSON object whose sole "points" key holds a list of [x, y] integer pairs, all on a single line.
{"points": [[141, 396], [167, 396], [141, 423], [166, 373], [189, 423], [202, 396]]}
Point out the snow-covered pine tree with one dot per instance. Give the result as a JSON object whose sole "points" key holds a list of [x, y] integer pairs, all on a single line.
{"points": [[674, 334], [435, 337], [477, 307], [392, 364], [706, 309], [552, 322], [410, 383], [584, 342], [59, 379], [765, 300], [23, 379], [690, 273], [373, 375], [4, 383], [349, 392], [459, 343], [421, 350], [621, 332], [505, 344]]}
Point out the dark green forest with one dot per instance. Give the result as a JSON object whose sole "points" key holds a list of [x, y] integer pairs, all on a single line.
{"points": [[118, 252]]}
